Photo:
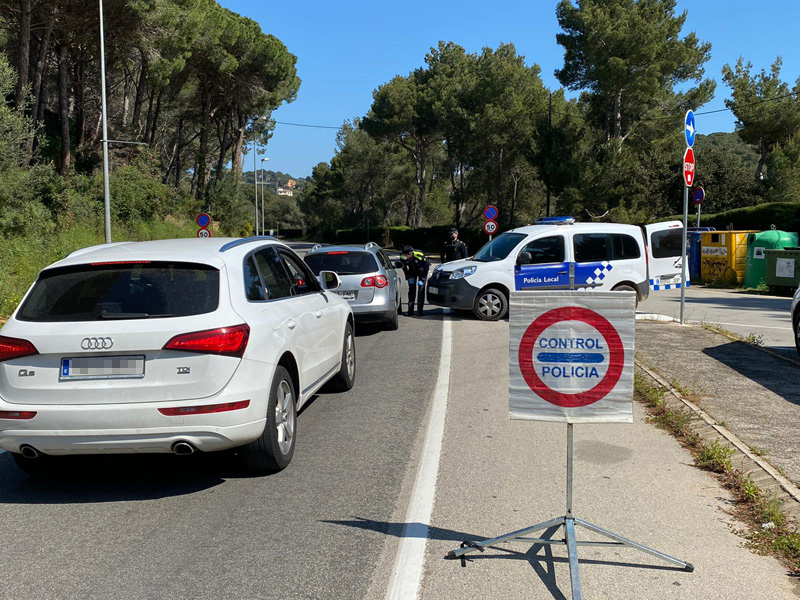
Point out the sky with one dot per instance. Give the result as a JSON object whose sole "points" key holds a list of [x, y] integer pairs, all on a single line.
{"points": [[347, 48]]}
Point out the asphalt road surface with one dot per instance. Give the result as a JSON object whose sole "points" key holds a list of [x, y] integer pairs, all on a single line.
{"points": [[196, 527], [739, 312]]}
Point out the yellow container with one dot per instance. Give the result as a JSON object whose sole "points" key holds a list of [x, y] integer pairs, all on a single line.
{"points": [[723, 256]]}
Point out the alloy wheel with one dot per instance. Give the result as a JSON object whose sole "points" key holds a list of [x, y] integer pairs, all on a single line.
{"points": [[284, 416]]}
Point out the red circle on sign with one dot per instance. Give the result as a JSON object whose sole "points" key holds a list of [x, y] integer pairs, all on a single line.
{"points": [[203, 220], [616, 356], [490, 212], [203, 232], [490, 227]]}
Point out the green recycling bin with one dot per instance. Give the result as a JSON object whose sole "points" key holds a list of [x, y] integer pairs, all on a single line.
{"points": [[757, 245], [783, 268]]}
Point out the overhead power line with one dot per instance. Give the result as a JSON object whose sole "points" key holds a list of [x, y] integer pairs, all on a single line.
{"points": [[307, 125]]}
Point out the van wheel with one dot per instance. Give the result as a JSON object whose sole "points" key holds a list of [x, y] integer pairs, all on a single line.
{"points": [[627, 288], [273, 450], [797, 332], [491, 304]]}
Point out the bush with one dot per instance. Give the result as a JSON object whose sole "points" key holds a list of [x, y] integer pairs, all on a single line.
{"points": [[784, 215], [428, 239]]}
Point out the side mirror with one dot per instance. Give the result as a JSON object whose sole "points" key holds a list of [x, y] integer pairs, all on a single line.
{"points": [[397, 264], [524, 258], [330, 280]]}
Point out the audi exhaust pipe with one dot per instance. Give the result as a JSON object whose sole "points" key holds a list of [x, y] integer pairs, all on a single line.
{"points": [[29, 451], [182, 448]]}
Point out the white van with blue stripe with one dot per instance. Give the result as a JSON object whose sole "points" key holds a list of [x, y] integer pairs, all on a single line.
{"points": [[558, 254]]}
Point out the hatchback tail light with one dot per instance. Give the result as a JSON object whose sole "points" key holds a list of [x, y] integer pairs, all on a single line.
{"points": [[208, 409], [15, 348], [378, 281], [226, 341], [17, 415]]}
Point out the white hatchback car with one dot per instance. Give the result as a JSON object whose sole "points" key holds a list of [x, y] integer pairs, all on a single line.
{"points": [[171, 346]]}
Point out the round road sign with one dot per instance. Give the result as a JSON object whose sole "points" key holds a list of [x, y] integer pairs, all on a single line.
{"points": [[203, 233], [490, 227], [490, 212], [688, 167], [203, 220], [699, 195], [615, 359]]}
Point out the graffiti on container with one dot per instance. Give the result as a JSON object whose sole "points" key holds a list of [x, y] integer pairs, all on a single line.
{"points": [[717, 268]]}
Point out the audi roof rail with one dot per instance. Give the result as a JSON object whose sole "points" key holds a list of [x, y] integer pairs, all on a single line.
{"points": [[247, 240]]}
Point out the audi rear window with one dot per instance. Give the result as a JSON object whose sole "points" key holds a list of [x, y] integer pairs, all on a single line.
{"points": [[122, 291], [342, 262]]}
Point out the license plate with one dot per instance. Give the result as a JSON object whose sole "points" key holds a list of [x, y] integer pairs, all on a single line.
{"points": [[433, 290], [669, 280], [102, 367], [347, 295]]}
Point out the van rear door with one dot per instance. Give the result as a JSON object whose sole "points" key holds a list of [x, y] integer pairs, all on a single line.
{"points": [[664, 241]]}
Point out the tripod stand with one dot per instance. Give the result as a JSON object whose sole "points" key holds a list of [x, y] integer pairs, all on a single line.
{"points": [[568, 521]]}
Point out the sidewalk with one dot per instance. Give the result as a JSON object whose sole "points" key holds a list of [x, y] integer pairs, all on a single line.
{"points": [[755, 395], [498, 475]]}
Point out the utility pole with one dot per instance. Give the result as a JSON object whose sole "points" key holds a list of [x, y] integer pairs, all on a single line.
{"points": [[549, 143], [255, 173], [106, 185], [263, 194]]}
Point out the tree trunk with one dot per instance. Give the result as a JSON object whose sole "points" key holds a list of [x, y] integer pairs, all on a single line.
{"points": [[178, 164], [422, 181], [762, 148], [148, 122], [202, 154], [618, 116], [38, 77], [24, 48], [238, 147], [139, 99], [63, 109], [224, 146], [156, 114], [126, 97], [80, 115]]}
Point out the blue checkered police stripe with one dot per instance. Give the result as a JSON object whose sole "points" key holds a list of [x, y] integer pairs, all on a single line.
{"points": [[669, 286], [600, 273]]}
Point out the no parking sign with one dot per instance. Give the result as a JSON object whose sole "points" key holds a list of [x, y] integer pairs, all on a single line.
{"points": [[571, 356]]}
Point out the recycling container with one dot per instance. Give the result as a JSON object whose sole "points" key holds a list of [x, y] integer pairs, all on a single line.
{"points": [[757, 244], [783, 268], [693, 245], [723, 257]]}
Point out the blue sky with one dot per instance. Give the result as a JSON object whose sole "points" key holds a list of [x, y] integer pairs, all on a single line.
{"points": [[347, 48]]}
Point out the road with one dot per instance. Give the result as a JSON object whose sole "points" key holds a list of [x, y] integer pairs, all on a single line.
{"points": [[739, 312]]}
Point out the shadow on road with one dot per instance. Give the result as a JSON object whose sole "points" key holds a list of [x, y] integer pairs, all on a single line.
{"points": [[772, 373], [78, 479]]}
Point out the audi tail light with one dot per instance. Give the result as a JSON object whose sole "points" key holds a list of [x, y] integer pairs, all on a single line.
{"points": [[378, 281], [225, 341], [15, 348], [17, 415], [208, 409]]}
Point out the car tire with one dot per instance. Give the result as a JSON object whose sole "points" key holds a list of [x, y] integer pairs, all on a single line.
{"points": [[273, 450], [491, 304], [346, 377], [797, 331], [392, 321], [43, 466], [627, 288]]}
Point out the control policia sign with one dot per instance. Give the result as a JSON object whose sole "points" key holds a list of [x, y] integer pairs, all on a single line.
{"points": [[571, 356]]}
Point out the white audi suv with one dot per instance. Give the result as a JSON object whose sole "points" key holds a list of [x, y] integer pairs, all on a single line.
{"points": [[171, 346]]}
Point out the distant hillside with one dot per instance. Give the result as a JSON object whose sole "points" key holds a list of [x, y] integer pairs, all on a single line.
{"points": [[277, 178], [731, 142]]}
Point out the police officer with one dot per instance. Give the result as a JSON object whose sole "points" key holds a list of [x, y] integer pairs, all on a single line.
{"points": [[415, 267], [454, 248]]}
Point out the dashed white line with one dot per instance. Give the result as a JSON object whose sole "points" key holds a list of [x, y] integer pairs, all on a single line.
{"points": [[408, 568]]}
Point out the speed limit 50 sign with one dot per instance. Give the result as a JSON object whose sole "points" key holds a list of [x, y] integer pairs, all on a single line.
{"points": [[571, 356], [490, 227]]}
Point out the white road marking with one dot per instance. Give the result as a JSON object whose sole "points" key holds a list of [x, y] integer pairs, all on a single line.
{"points": [[410, 559]]}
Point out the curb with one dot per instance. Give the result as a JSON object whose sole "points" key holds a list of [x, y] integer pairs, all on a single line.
{"points": [[711, 429], [730, 336]]}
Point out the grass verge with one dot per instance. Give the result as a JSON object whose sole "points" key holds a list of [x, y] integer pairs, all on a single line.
{"points": [[768, 530]]}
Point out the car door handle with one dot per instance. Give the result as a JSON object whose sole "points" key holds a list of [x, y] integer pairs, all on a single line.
{"points": [[318, 314], [291, 323]]}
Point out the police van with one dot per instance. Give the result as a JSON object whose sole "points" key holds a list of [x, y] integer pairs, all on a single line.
{"points": [[559, 254]]}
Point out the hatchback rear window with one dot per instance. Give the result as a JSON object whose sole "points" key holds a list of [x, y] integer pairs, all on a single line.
{"points": [[667, 243], [342, 262], [122, 291]]}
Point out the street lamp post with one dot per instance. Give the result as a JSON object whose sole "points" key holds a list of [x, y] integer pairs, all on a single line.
{"points": [[263, 193], [106, 186]]}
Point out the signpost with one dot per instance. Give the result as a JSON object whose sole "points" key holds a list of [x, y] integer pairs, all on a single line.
{"points": [[490, 226], [571, 361], [689, 132], [203, 221], [699, 195]]}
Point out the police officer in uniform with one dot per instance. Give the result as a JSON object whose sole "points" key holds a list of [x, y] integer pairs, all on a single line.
{"points": [[454, 248], [415, 267]]}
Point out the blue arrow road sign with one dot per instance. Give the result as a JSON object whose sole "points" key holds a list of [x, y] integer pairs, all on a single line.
{"points": [[689, 128]]}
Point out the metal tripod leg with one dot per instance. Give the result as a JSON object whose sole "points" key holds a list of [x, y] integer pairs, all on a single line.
{"points": [[508, 537], [626, 542]]}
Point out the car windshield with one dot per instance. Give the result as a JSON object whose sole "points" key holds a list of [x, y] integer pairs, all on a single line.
{"points": [[121, 291], [342, 262], [499, 248]]}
